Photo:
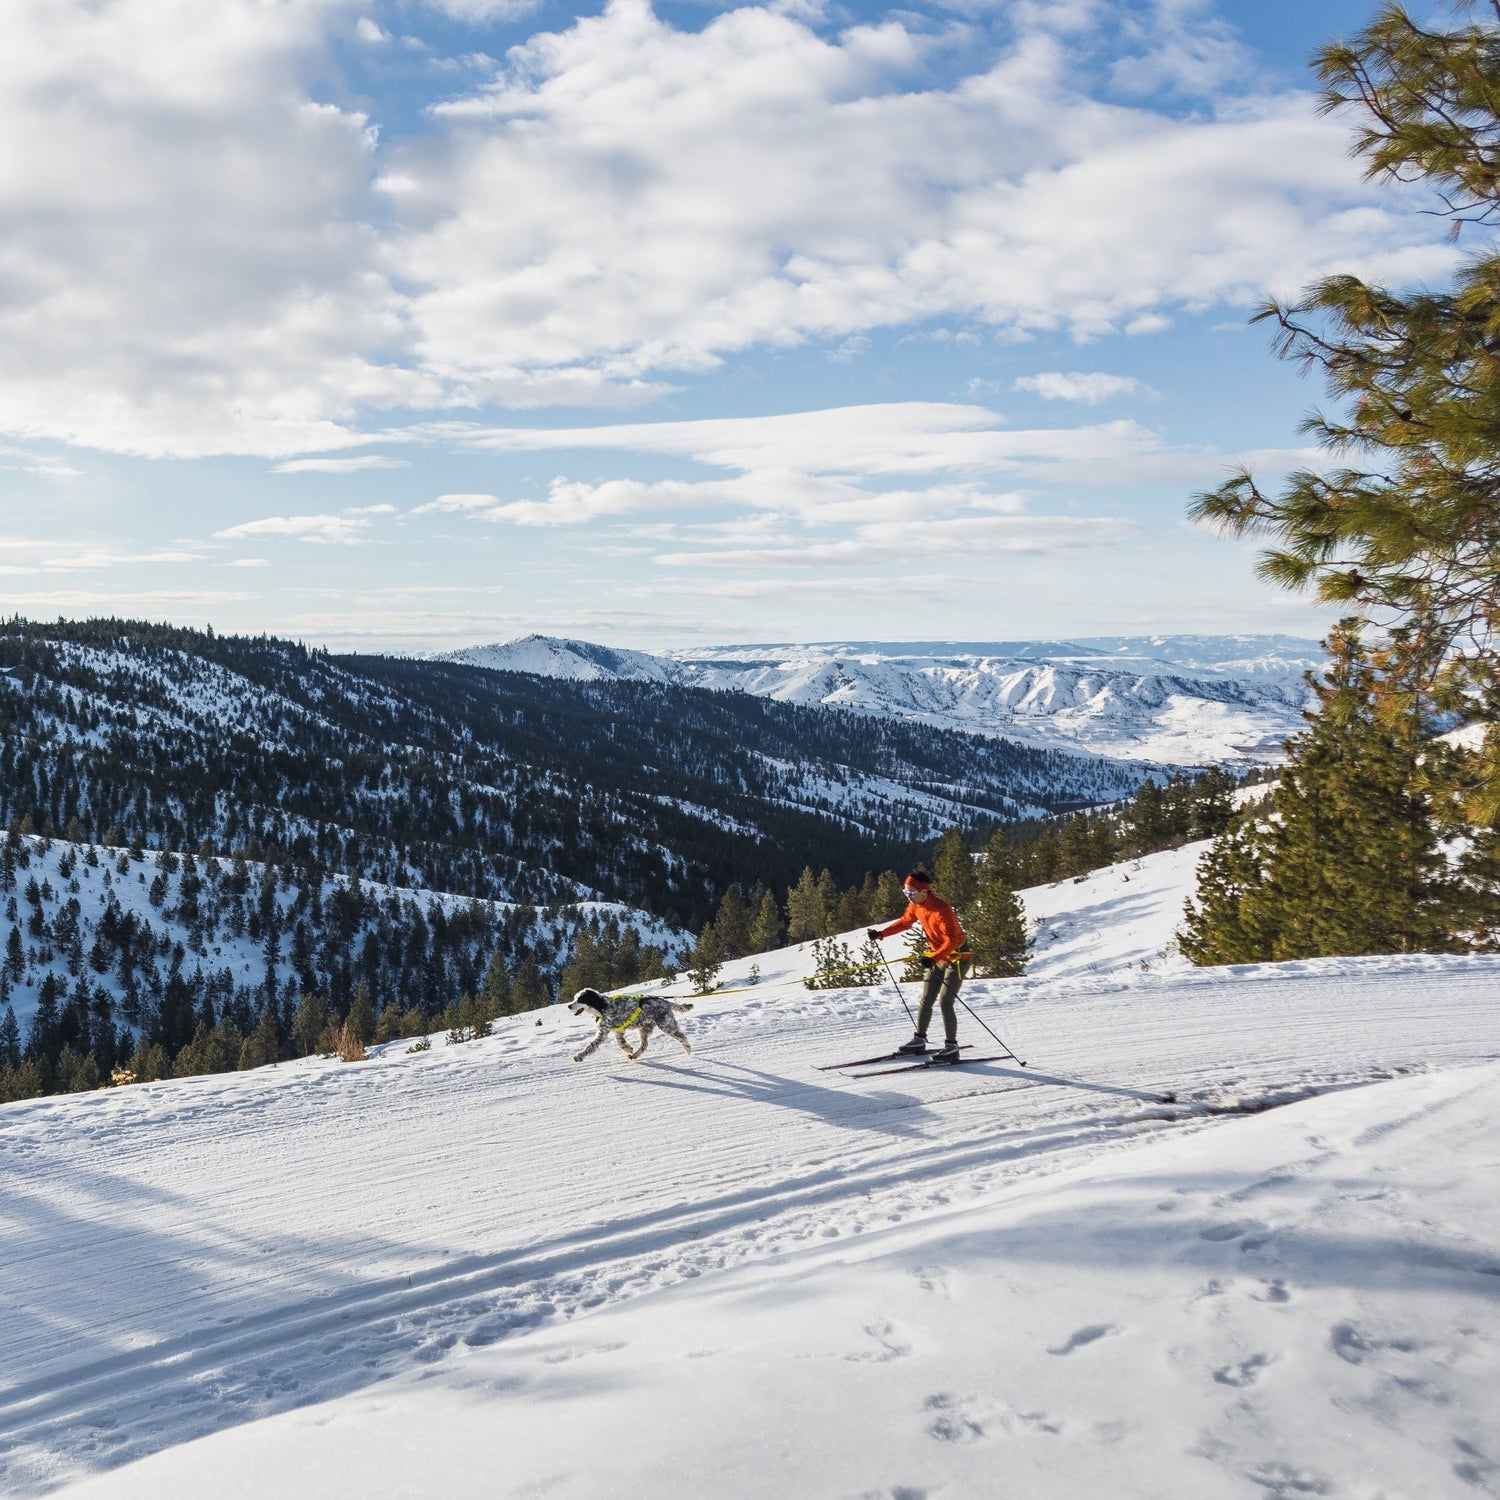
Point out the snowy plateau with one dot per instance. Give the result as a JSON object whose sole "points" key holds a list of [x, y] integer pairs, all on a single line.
{"points": [[1230, 1233], [1176, 700]]}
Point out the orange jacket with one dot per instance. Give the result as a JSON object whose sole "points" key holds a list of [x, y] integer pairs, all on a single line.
{"points": [[945, 933]]}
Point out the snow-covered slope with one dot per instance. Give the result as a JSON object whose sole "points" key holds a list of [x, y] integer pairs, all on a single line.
{"points": [[1230, 1233], [573, 661], [1188, 700]]}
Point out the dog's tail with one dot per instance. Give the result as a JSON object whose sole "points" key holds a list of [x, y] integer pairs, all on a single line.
{"points": [[677, 1005]]}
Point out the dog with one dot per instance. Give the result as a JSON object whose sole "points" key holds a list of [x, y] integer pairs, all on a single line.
{"points": [[642, 1013]]}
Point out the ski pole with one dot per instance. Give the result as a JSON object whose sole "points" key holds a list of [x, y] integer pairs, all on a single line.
{"points": [[899, 994], [980, 1019]]}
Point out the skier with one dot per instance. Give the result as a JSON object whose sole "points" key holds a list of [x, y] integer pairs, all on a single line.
{"points": [[943, 960]]}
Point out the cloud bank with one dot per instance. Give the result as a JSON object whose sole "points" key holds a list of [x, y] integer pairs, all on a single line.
{"points": [[203, 255]]}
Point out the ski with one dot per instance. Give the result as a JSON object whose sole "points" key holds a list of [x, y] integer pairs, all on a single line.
{"points": [[865, 1062], [933, 1063]]}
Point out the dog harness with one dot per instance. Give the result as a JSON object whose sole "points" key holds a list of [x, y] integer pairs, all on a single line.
{"points": [[630, 1021]]}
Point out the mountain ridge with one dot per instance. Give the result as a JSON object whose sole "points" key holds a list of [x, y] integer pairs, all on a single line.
{"points": [[1187, 700]]}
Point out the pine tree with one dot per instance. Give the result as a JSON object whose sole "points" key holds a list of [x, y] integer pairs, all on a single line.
{"points": [[828, 901], [765, 933], [263, 1045], [310, 1024], [361, 1018], [953, 871], [706, 960], [42, 1035], [1219, 925], [732, 924], [805, 913], [888, 901], [1409, 531], [996, 926], [495, 990], [529, 990], [10, 1040], [1350, 859]]}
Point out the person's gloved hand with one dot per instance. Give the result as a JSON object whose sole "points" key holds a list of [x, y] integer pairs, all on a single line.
{"points": [[926, 960], [873, 933]]}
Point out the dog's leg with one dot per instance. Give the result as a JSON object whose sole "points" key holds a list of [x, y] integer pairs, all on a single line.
{"points": [[645, 1032], [670, 1026], [624, 1045], [592, 1047]]}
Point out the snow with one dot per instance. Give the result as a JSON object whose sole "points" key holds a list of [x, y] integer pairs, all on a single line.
{"points": [[1231, 1233], [1175, 700]]}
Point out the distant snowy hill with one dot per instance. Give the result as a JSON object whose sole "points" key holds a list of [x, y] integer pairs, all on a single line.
{"points": [[1230, 1233], [1179, 700]]}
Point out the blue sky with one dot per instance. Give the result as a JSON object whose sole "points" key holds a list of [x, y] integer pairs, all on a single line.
{"points": [[409, 325]]}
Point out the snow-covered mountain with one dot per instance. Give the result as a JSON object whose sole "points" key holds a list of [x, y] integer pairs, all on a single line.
{"points": [[1229, 1233], [1177, 700], [502, 787]]}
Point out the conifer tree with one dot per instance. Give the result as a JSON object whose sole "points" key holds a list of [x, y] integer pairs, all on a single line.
{"points": [[828, 901], [889, 900], [10, 1039], [495, 990], [1409, 531], [996, 925], [706, 961], [765, 933], [732, 924], [529, 990], [953, 871], [805, 913], [310, 1024], [263, 1045], [1222, 923], [361, 1018], [42, 1035], [1350, 859]]}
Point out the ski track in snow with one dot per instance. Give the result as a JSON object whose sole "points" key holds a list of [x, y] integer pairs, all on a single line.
{"points": [[187, 1258]]}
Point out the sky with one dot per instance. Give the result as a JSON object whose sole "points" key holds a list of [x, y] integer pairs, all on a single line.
{"points": [[410, 325]]}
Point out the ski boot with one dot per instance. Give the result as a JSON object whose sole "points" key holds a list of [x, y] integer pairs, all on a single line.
{"points": [[918, 1043], [947, 1053]]}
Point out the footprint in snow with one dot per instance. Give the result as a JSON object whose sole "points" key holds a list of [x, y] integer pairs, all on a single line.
{"points": [[1231, 1231], [1272, 1291], [1287, 1483], [891, 1348], [1081, 1336], [1354, 1346], [1247, 1372], [969, 1419], [1475, 1467]]}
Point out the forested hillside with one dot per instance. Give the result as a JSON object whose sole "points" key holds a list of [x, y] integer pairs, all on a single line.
{"points": [[499, 786]]}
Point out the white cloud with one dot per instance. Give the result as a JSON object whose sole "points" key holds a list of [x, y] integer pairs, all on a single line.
{"points": [[200, 257], [632, 199], [187, 263], [457, 505], [924, 535], [477, 12], [367, 29], [345, 529], [338, 465], [1075, 385], [910, 437]]}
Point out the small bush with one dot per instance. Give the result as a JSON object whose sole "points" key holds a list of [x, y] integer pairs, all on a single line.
{"points": [[348, 1044]]}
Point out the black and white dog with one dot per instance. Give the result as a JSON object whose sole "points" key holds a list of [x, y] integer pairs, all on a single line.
{"points": [[643, 1013]]}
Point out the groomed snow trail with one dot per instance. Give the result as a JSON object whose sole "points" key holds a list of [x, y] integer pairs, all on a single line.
{"points": [[188, 1257]]}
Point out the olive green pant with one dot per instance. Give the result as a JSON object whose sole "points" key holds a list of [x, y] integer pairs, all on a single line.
{"points": [[941, 984]]}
